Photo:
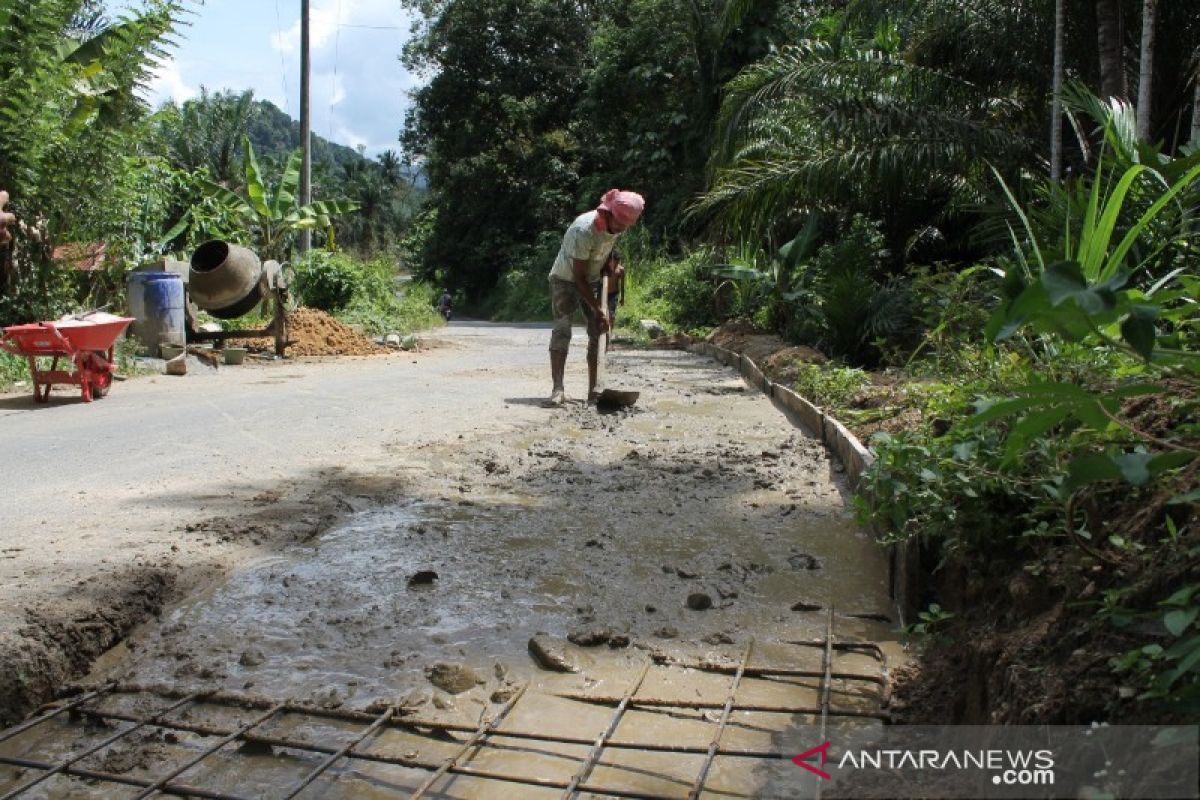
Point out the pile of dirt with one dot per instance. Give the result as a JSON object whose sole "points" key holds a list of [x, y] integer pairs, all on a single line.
{"points": [[777, 359], [880, 406], [312, 332]]}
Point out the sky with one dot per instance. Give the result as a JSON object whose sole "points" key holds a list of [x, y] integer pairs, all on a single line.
{"points": [[359, 89]]}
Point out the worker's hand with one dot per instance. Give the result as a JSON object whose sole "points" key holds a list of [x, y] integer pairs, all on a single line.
{"points": [[6, 219], [602, 318]]}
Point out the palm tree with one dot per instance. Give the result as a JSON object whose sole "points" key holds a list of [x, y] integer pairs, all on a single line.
{"points": [[1060, 19], [207, 133], [1146, 73], [846, 122], [389, 165], [1108, 36]]}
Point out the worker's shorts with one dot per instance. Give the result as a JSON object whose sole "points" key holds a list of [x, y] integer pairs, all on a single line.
{"points": [[564, 300]]}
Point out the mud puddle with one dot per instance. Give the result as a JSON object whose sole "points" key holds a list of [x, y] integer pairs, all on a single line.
{"points": [[686, 526]]}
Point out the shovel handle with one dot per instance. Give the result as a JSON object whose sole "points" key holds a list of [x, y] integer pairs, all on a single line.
{"points": [[603, 354]]}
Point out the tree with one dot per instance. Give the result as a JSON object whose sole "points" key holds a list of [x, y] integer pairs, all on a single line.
{"points": [[390, 167], [1111, 50], [654, 92], [69, 123], [205, 133], [494, 131], [1146, 70], [1060, 25], [851, 120], [1194, 139]]}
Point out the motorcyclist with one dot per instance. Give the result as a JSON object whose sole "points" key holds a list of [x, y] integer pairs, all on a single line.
{"points": [[445, 304]]}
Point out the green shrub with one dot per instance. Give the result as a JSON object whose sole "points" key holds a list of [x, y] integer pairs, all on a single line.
{"points": [[12, 369], [520, 296], [676, 292], [845, 306], [327, 281], [382, 305], [829, 386]]}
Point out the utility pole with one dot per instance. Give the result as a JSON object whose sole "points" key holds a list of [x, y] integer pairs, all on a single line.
{"points": [[305, 125]]}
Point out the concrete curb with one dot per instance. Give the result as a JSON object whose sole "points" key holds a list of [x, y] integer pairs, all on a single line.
{"points": [[811, 417], [849, 449], [904, 558], [754, 376]]}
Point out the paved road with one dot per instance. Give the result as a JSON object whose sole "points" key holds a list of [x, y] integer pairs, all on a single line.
{"points": [[98, 488]]}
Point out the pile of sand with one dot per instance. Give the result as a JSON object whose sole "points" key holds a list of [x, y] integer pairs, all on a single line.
{"points": [[314, 333]]}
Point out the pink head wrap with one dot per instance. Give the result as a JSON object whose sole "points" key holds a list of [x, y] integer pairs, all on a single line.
{"points": [[625, 207]]}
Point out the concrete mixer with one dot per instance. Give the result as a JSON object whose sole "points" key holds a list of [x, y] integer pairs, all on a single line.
{"points": [[228, 281]]}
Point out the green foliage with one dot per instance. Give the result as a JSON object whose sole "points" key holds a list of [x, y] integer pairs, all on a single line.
{"points": [[12, 370], [325, 281], [846, 119], [843, 303], [678, 292], [1088, 295], [493, 126], [829, 386], [205, 133], [931, 621], [69, 133], [764, 286], [368, 293], [382, 307], [952, 491], [1166, 671], [653, 91], [1113, 291], [272, 217], [521, 295]]}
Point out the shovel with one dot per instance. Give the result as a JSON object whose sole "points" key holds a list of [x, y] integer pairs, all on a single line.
{"points": [[609, 399]]}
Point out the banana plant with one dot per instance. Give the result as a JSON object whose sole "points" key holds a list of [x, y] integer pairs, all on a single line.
{"points": [[273, 216]]}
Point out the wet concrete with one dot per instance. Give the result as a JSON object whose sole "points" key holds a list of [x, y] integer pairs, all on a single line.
{"points": [[598, 527]]}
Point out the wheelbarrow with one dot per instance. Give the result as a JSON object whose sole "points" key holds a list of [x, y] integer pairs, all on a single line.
{"points": [[86, 342]]}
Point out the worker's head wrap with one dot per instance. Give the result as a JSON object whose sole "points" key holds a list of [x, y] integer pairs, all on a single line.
{"points": [[625, 207]]}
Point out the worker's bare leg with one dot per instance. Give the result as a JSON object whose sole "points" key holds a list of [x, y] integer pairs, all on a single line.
{"points": [[558, 367]]}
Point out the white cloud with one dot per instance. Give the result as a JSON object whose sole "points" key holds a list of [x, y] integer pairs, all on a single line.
{"points": [[358, 84], [325, 17], [167, 83]]}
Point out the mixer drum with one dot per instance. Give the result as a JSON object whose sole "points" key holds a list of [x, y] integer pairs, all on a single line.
{"points": [[225, 279]]}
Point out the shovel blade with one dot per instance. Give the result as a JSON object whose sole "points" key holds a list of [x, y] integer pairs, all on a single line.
{"points": [[616, 398]]}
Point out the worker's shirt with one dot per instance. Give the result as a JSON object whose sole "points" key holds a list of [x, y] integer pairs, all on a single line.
{"points": [[587, 240]]}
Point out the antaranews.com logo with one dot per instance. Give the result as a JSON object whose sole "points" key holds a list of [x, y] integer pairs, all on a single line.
{"points": [[1006, 767], [1152, 762]]}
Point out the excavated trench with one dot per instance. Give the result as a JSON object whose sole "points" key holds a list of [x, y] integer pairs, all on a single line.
{"points": [[685, 528]]}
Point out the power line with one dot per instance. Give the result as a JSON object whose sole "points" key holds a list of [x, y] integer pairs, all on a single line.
{"points": [[337, 46], [375, 27], [282, 62]]}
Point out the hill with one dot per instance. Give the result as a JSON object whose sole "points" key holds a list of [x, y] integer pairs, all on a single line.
{"points": [[274, 134]]}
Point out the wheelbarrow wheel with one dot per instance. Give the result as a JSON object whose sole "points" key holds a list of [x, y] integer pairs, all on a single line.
{"points": [[101, 386], [98, 376]]}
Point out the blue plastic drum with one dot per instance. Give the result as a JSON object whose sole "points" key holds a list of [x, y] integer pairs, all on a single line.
{"points": [[156, 303]]}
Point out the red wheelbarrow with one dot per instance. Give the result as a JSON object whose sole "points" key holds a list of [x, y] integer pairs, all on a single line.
{"points": [[87, 340]]}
